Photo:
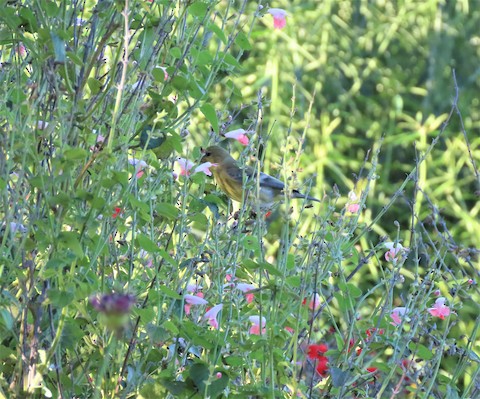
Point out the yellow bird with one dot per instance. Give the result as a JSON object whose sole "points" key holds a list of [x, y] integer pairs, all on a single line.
{"points": [[229, 177]]}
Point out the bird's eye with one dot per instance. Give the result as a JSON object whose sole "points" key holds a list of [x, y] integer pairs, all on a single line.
{"points": [[207, 154]]}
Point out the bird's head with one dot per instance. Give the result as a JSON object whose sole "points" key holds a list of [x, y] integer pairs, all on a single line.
{"points": [[215, 154]]}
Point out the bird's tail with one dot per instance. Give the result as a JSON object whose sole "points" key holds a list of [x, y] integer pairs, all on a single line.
{"points": [[298, 194]]}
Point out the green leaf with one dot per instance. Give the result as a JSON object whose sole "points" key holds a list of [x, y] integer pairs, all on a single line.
{"points": [[94, 85], [155, 390], [339, 377], [60, 298], [198, 375], [217, 386], [420, 351], [209, 111], [242, 41], [58, 48], [353, 290], [70, 240], [169, 292], [198, 9], [231, 61], [175, 52], [73, 154], [146, 243], [218, 32], [271, 269], [251, 243], [75, 58], [165, 255], [176, 388], [6, 319], [294, 281], [180, 82], [167, 210], [169, 326]]}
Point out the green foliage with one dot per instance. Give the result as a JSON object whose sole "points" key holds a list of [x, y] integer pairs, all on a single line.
{"points": [[106, 255]]}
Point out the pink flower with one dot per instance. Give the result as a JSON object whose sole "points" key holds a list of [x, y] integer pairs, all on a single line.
{"points": [[353, 208], [42, 125], [245, 288], [21, 50], [352, 205], [191, 300], [255, 328], [193, 288], [165, 73], [279, 17], [395, 252], [185, 166], [314, 303], [395, 315], [240, 135], [205, 168], [139, 166], [439, 309], [212, 314]]}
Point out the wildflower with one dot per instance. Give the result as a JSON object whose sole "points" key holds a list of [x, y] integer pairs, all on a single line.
{"points": [[353, 206], [185, 166], [439, 309], [116, 212], [17, 227], [256, 327], [322, 366], [191, 300], [314, 303], [21, 50], [42, 125], [240, 135], [80, 21], [205, 168], [246, 288], [372, 330], [395, 251], [279, 17], [316, 351], [139, 165], [113, 303], [165, 73], [212, 314], [395, 315], [194, 288]]}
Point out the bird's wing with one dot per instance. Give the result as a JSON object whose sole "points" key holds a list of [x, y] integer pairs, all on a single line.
{"points": [[268, 181], [235, 172]]}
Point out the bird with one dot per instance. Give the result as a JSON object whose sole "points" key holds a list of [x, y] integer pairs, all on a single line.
{"points": [[229, 176]]}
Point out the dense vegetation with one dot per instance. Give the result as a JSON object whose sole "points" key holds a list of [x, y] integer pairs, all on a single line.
{"points": [[123, 274]]}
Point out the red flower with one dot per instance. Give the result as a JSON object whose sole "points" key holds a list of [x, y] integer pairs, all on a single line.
{"points": [[317, 351], [322, 366], [371, 369], [372, 330], [117, 212]]}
